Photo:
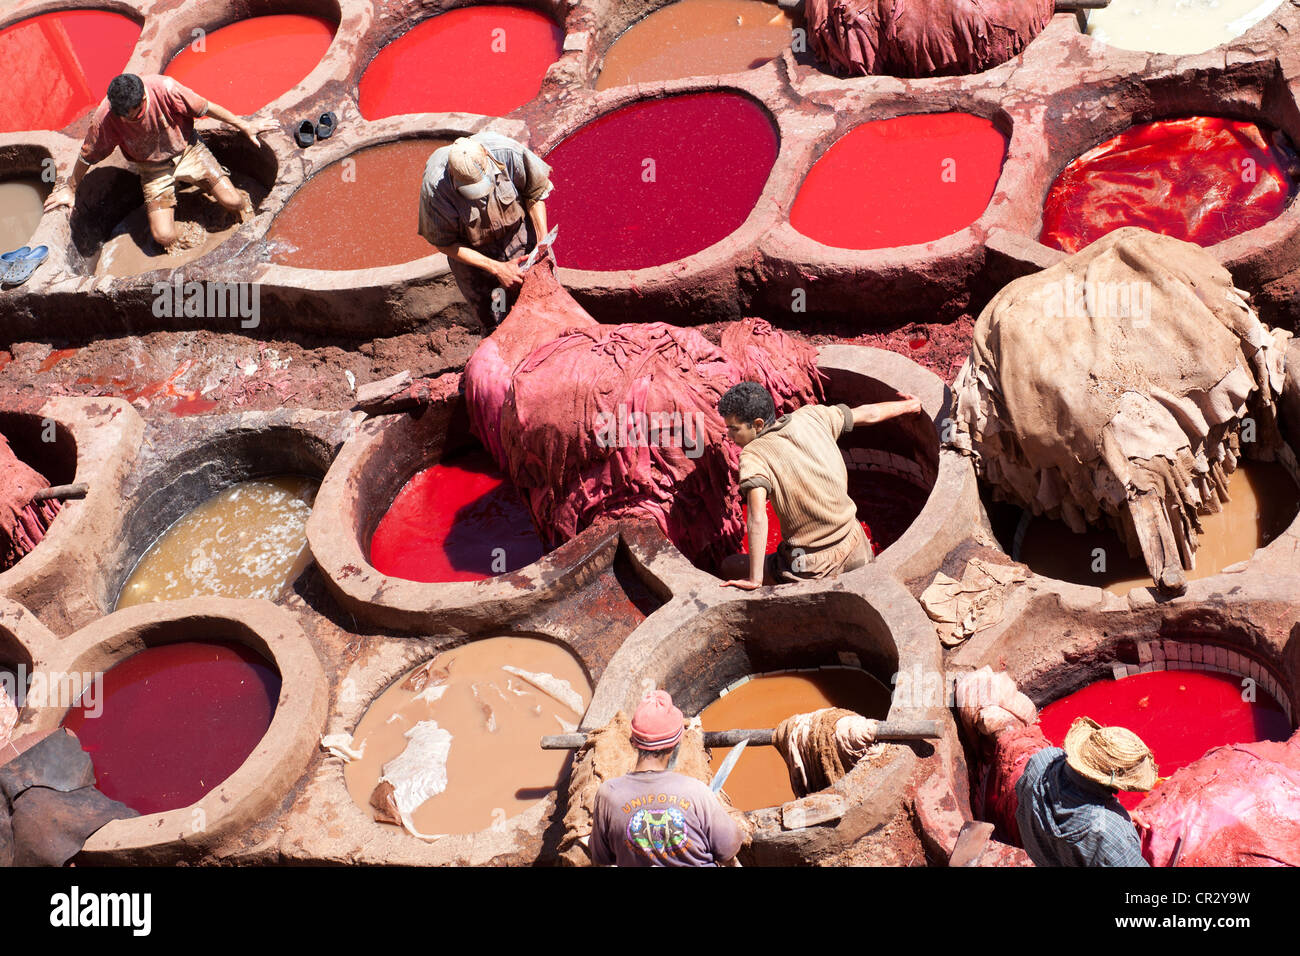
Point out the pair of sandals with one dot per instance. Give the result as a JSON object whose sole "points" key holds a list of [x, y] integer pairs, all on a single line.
{"points": [[309, 132], [17, 267]]}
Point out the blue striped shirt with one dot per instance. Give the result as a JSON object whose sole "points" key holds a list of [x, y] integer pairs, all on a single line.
{"points": [[1067, 820]]}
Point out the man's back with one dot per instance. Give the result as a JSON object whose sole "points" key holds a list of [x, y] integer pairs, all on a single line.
{"points": [[1067, 820], [796, 459], [661, 818]]}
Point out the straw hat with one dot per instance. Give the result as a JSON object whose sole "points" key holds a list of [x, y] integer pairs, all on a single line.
{"points": [[472, 168], [1114, 757]]}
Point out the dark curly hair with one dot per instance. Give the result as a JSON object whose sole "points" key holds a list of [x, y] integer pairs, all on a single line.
{"points": [[747, 401], [125, 93]]}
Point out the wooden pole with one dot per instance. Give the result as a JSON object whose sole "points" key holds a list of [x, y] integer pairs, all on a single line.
{"points": [[893, 730], [61, 492]]}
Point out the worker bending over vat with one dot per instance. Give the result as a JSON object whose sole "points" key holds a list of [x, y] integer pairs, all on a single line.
{"points": [[795, 462], [1060, 802], [151, 119], [482, 205]]}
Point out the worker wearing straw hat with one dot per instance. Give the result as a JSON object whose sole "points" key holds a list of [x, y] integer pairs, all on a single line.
{"points": [[653, 816], [482, 205], [1068, 814]]}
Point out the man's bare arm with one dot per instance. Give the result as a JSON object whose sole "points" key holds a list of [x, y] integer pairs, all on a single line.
{"points": [[883, 411], [65, 194], [251, 130]]}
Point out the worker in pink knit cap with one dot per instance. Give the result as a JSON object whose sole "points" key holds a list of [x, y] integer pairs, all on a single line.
{"points": [[653, 816]]}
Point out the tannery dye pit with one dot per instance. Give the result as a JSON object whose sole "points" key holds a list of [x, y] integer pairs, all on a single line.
{"points": [[452, 748], [357, 213], [458, 520], [486, 562], [248, 542], [174, 721], [761, 778]]}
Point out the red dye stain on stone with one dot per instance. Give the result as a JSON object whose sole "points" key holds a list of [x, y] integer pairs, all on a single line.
{"points": [[658, 180], [359, 213], [1179, 714], [176, 721], [488, 60], [1202, 180], [901, 181], [54, 358], [459, 520], [58, 66], [251, 62]]}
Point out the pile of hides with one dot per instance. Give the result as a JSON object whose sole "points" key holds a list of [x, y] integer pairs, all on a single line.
{"points": [[821, 747], [913, 38], [1237, 806], [1113, 386], [23, 521], [963, 608], [596, 421], [50, 806], [608, 753]]}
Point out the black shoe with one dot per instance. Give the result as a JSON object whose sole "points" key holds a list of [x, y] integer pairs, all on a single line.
{"points": [[325, 128], [306, 134]]}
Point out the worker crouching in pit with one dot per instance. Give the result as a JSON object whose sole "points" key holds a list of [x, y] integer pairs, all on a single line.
{"points": [[1059, 804], [654, 816], [794, 462], [151, 119], [482, 205]]}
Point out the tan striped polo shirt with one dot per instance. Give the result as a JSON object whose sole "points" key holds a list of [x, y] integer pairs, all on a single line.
{"points": [[796, 459]]}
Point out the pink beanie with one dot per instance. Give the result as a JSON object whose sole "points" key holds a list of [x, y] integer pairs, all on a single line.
{"points": [[657, 724]]}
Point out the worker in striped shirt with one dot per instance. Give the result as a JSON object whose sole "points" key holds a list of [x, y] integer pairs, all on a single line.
{"points": [[794, 462]]}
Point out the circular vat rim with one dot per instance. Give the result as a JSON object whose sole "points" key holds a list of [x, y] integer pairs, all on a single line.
{"points": [[656, 654], [266, 776], [61, 578], [520, 840]]}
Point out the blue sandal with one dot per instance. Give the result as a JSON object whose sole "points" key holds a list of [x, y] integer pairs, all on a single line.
{"points": [[22, 267]]}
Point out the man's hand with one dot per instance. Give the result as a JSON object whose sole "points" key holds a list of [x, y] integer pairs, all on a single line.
{"points": [[254, 130], [509, 274], [63, 196], [911, 402], [744, 584]]}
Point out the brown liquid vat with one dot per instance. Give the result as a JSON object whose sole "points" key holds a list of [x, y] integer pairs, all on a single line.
{"points": [[95, 442], [266, 775], [352, 836], [187, 461], [1052, 646], [1063, 93], [874, 624]]}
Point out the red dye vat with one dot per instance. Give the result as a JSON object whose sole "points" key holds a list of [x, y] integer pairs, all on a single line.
{"points": [[659, 180], [174, 721], [452, 521], [1179, 714], [58, 66], [251, 62], [774, 532], [901, 181], [486, 60], [1201, 180]]}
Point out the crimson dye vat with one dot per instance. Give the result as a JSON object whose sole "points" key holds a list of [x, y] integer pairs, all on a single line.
{"points": [[675, 176], [1179, 714], [172, 722], [1201, 179], [58, 66], [459, 520], [359, 213], [901, 181], [251, 62], [487, 60]]}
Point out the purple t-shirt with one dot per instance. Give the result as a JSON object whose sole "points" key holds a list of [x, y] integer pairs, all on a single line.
{"points": [[661, 818]]}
